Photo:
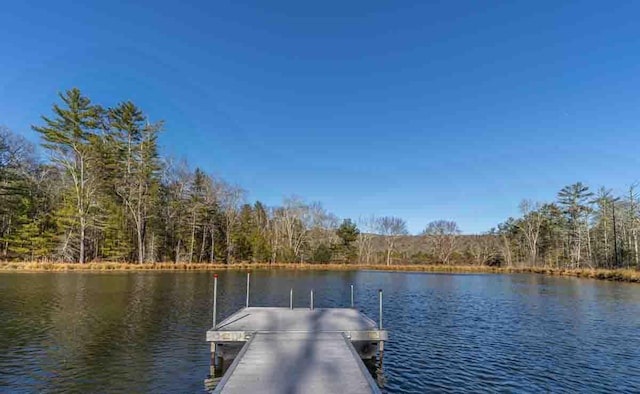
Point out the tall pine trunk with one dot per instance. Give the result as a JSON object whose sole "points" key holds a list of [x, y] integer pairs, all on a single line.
{"points": [[193, 236], [140, 244]]}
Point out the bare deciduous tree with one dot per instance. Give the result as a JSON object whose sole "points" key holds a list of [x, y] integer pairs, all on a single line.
{"points": [[442, 234], [291, 220], [483, 248], [364, 242], [530, 227], [391, 228], [298, 226]]}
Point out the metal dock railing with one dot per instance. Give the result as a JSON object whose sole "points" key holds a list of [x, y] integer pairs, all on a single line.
{"points": [[295, 350]]}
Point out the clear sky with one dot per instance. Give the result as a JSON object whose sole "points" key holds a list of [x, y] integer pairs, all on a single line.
{"points": [[425, 110]]}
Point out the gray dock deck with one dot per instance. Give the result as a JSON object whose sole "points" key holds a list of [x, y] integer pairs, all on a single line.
{"points": [[298, 350], [297, 363], [239, 326]]}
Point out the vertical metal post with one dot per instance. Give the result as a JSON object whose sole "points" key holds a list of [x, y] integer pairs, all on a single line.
{"points": [[615, 235], [352, 296], [380, 306], [311, 299], [381, 343], [248, 281], [215, 298], [291, 299], [214, 345]]}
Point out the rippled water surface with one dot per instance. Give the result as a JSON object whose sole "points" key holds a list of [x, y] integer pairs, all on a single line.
{"points": [[133, 332]]}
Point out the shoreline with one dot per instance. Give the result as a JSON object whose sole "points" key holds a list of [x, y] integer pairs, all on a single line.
{"points": [[618, 275]]}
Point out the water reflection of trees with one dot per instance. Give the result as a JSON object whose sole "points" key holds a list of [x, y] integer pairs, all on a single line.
{"points": [[80, 332]]}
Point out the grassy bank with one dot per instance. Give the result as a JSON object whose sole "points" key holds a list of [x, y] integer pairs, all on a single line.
{"points": [[620, 275]]}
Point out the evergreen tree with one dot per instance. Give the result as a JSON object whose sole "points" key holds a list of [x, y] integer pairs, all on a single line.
{"points": [[243, 232], [261, 250], [69, 138], [196, 206], [574, 199], [347, 233], [132, 140]]}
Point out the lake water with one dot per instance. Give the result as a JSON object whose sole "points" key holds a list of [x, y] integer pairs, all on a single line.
{"points": [[135, 332]]}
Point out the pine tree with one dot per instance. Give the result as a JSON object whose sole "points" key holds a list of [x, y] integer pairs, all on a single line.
{"points": [[242, 234], [132, 140], [69, 140], [196, 205], [575, 199], [260, 247], [348, 233]]}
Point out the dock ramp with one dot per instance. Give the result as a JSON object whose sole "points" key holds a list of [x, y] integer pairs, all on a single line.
{"points": [[297, 362]]}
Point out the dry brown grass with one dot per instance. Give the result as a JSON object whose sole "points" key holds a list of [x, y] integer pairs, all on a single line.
{"points": [[621, 275]]}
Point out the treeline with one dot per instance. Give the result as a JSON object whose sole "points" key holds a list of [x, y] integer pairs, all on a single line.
{"points": [[104, 193], [582, 229]]}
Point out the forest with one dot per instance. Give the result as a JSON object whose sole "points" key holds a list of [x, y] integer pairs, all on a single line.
{"points": [[101, 191]]}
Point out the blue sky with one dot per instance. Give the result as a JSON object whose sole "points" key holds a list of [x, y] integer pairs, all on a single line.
{"points": [[424, 110]]}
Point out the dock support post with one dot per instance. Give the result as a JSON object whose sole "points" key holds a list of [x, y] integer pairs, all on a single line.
{"points": [[352, 296], [381, 360], [311, 299], [291, 299], [217, 362], [212, 365], [248, 282]]}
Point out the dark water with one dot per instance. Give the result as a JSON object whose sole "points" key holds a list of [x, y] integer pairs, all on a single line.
{"points": [[144, 332]]}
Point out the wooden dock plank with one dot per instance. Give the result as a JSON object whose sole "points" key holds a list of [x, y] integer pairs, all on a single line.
{"points": [[297, 362]]}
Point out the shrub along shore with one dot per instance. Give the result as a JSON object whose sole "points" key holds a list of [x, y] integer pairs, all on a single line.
{"points": [[620, 275]]}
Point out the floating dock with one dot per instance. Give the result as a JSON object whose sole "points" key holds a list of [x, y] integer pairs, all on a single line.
{"points": [[296, 350]]}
